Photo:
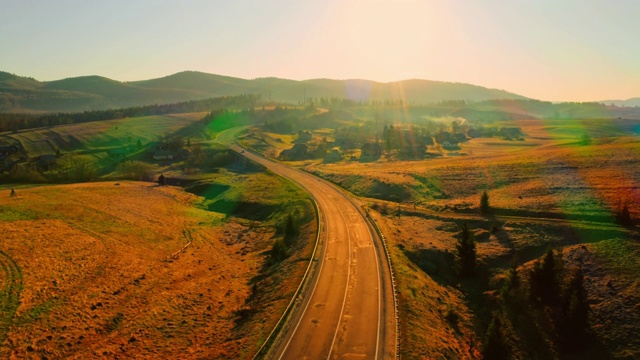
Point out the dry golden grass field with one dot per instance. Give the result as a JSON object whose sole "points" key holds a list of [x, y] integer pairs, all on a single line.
{"points": [[549, 189], [131, 269]]}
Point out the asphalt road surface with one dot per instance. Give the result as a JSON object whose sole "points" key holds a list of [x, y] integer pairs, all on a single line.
{"points": [[346, 311]]}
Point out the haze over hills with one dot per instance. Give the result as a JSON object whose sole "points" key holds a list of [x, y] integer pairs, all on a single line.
{"points": [[23, 94], [629, 102]]}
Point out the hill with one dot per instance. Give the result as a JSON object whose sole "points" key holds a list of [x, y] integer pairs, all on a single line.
{"points": [[23, 94], [629, 102]]}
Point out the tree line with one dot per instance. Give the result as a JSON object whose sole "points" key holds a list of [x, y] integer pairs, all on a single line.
{"points": [[15, 122]]}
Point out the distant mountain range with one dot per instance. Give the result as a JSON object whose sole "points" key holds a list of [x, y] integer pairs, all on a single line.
{"points": [[629, 102], [23, 94]]}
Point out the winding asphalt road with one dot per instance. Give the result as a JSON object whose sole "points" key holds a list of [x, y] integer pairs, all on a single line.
{"points": [[347, 310]]}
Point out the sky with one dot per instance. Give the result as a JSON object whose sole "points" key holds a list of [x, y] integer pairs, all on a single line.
{"points": [[557, 50]]}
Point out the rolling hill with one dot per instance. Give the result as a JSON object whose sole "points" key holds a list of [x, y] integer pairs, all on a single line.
{"points": [[629, 102], [23, 94]]}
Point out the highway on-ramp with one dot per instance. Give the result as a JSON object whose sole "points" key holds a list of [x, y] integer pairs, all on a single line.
{"points": [[346, 311]]}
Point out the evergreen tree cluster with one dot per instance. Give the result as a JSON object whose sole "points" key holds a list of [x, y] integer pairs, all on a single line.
{"points": [[466, 252], [562, 293], [15, 122], [290, 231]]}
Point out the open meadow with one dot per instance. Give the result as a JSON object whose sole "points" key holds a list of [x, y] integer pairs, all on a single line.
{"points": [[133, 269]]}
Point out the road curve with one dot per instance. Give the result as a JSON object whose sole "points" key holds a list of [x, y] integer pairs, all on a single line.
{"points": [[346, 311]]}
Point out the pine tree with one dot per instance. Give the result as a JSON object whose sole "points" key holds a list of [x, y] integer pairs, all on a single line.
{"points": [[544, 278], [573, 321], [466, 252], [291, 230], [623, 216], [493, 345], [512, 282], [484, 202]]}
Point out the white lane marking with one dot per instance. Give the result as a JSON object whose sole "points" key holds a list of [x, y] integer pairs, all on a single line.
{"points": [[315, 285], [346, 290]]}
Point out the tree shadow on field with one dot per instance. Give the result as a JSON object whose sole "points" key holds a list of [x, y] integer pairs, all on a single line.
{"points": [[439, 265]]}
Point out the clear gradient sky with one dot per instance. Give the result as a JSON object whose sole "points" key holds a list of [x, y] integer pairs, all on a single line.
{"points": [[578, 50]]}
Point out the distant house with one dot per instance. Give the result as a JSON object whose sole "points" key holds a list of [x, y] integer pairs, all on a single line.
{"points": [[164, 155], [297, 152], [450, 145], [443, 136], [371, 150]]}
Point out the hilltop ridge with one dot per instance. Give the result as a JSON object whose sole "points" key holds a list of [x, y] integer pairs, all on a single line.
{"points": [[83, 93]]}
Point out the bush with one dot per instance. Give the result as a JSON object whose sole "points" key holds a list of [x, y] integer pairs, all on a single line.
{"points": [[22, 174], [451, 315], [279, 251], [76, 168], [136, 170]]}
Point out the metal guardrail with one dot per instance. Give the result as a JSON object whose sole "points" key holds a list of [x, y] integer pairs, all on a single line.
{"points": [[393, 280], [287, 311]]}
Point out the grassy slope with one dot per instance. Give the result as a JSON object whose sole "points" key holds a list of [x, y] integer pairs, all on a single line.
{"points": [[549, 190], [102, 135], [103, 274]]}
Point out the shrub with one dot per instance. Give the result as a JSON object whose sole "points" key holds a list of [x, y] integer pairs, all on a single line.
{"points": [[279, 251], [451, 315], [136, 170], [22, 174], [76, 168]]}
